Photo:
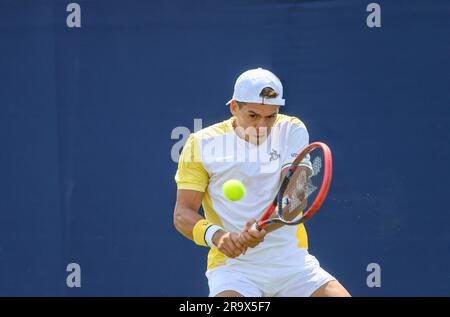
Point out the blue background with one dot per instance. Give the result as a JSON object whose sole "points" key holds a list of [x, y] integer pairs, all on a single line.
{"points": [[86, 116]]}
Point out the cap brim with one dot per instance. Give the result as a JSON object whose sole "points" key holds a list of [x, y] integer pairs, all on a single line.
{"points": [[279, 102]]}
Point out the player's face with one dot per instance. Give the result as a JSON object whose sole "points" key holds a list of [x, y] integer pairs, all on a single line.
{"points": [[255, 119]]}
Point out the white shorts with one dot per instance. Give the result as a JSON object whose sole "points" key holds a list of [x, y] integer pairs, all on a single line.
{"points": [[258, 280]]}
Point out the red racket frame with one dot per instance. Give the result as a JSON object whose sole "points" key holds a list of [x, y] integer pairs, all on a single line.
{"points": [[326, 182]]}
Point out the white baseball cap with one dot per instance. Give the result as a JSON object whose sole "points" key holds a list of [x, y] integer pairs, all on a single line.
{"points": [[249, 85]]}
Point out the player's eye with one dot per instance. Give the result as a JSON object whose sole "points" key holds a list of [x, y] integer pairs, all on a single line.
{"points": [[252, 115]]}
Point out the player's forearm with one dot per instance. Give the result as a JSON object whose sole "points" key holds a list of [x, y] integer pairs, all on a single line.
{"points": [[286, 208], [275, 226], [185, 220], [286, 215]]}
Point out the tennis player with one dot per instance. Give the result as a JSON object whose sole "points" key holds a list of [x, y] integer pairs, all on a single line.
{"points": [[252, 146]]}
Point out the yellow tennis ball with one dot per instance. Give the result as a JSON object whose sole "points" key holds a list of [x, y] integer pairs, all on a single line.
{"points": [[233, 189]]}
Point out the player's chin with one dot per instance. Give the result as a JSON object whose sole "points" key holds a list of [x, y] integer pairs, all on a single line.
{"points": [[258, 138]]}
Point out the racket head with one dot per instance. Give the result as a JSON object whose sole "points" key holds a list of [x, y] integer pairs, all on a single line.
{"points": [[303, 189]]}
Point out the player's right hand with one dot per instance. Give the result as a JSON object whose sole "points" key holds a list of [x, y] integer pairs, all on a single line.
{"points": [[250, 237], [228, 243]]}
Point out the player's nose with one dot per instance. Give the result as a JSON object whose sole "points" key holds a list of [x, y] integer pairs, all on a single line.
{"points": [[262, 126]]}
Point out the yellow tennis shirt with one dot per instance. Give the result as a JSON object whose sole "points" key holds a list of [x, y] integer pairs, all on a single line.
{"points": [[216, 154]]}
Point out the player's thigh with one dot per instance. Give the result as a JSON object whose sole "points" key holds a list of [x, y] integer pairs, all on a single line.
{"points": [[331, 289], [224, 281]]}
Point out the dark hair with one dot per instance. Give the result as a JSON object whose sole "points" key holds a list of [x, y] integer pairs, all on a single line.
{"points": [[266, 93]]}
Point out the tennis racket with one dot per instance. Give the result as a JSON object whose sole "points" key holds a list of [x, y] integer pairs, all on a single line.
{"points": [[303, 189]]}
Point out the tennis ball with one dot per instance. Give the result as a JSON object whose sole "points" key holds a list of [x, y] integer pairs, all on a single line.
{"points": [[233, 189]]}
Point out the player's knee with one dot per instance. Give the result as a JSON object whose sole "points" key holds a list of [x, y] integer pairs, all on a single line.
{"points": [[229, 294], [331, 289]]}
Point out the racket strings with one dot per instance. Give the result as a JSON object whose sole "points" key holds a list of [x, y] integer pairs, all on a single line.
{"points": [[302, 188]]}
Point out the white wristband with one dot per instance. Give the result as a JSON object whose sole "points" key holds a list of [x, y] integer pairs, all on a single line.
{"points": [[209, 234]]}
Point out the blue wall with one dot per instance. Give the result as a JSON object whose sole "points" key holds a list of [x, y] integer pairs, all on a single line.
{"points": [[86, 116]]}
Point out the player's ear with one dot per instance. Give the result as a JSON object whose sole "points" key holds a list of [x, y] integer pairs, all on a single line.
{"points": [[233, 107]]}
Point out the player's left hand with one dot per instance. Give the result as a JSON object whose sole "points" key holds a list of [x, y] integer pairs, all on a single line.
{"points": [[251, 238]]}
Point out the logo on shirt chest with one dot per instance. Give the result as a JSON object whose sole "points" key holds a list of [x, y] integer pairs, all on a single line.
{"points": [[274, 155]]}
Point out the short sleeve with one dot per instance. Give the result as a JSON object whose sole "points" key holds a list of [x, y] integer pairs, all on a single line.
{"points": [[297, 140], [191, 173]]}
